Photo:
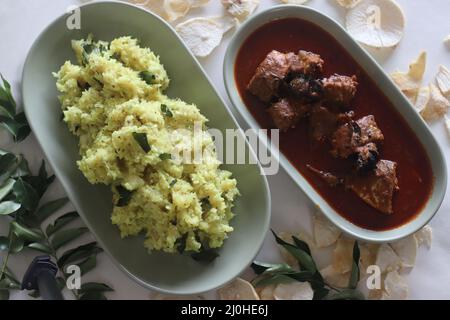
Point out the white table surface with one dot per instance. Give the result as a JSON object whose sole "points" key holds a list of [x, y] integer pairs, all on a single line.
{"points": [[427, 24]]}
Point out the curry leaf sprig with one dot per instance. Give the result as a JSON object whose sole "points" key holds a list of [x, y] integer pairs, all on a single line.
{"points": [[15, 123], [268, 273], [20, 201]]}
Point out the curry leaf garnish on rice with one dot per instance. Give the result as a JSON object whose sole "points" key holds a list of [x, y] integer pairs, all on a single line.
{"points": [[165, 156], [141, 139], [124, 196], [180, 243], [148, 77], [166, 111]]}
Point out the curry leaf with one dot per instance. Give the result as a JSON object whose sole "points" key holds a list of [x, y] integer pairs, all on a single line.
{"points": [[94, 287], [275, 279], [6, 98], [124, 196], [7, 283], [166, 111], [26, 233], [93, 295], [347, 294], [304, 259], [79, 253], [40, 182], [265, 268], [301, 245], [18, 129], [141, 139], [49, 208], [40, 247], [165, 156], [15, 243], [8, 207], [4, 243], [147, 76], [320, 293], [25, 194], [22, 169], [180, 243], [8, 164], [88, 264], [354, 275], [65, 236], [61, 222], [6, 188]]}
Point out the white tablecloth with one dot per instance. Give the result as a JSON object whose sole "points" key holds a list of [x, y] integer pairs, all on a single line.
{"points": [[427, 24]]}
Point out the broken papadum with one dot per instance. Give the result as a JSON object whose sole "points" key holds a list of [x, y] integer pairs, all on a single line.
{"points": [[417, 68], [397, 257], [348, 4], [410, 83], [334, 277], [239, 289], [170, 10], [203, 35], [395, 287], [376, 23], [437, 106], [447, 124], [343, 255], [443, 81], [423, 97], [293, 291], [387, 260], [325, 232], [266, 292], [447, 40], [424, 236], [406, 250], [294, 1], [240, 9]]}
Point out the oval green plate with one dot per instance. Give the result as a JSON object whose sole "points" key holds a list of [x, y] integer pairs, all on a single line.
{"points": [[170, 273]]}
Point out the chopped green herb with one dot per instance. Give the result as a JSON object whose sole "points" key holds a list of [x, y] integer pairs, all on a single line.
{"points": [[124, 196], [180, 243], [141, 139], [116, 56], [148, 77], [165, 156], [166, 111], [103, 48], [173, 182], [88, 48], [206, 205]]}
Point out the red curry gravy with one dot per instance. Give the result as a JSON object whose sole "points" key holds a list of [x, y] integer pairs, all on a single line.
{"points": [[415, 176]]}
